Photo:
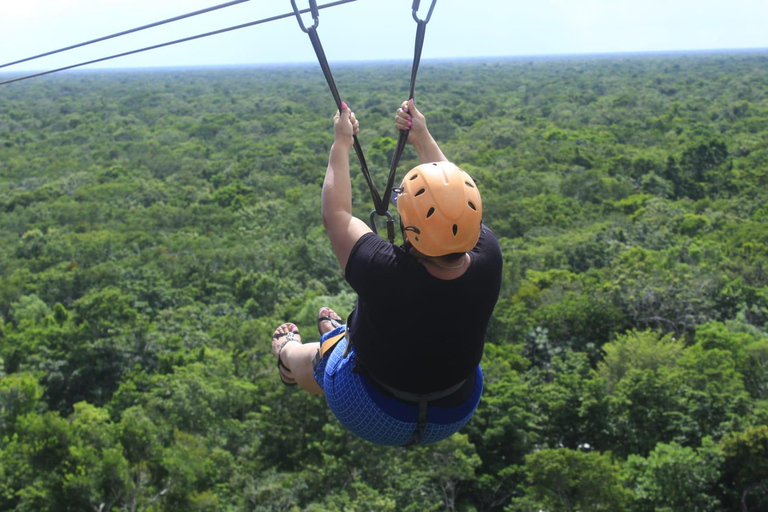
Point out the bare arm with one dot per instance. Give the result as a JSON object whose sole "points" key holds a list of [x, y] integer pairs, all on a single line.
{"points": [[343, 229], [408, 116]]}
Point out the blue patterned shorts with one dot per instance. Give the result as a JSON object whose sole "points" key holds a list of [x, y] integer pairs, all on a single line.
{"points": [[367, 412]]}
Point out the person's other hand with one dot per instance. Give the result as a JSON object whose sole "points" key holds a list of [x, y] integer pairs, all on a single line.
{"points": [[408, 117]]}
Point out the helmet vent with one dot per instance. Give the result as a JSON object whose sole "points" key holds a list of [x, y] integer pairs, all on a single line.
{"points": [[430, 212], [472, 205], [417, 194], [415, 176], [455, 229], [469, 184]]}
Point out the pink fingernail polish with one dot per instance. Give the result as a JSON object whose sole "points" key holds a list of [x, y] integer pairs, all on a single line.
{"points": [[343, 105], [411, 101]]}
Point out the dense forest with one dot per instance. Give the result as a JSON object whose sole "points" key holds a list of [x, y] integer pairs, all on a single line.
{"points": [[156, 226]]}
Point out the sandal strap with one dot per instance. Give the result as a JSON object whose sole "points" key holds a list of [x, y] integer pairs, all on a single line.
{"points": [[280, 368], [291, 336], [335, 323]]}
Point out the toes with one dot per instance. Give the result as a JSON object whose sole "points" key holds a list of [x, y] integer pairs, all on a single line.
{"points": [[284, 330], [328, 312], [282, 335], [327, 320]]}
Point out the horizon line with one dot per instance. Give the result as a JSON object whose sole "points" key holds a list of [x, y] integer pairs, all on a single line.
{"points": [[466, 59]]}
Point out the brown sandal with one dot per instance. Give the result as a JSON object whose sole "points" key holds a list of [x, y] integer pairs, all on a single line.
{"points": [[277, 349], [335, 322]]}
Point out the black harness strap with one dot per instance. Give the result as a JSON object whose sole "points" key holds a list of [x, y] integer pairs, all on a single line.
{"points": [[318, 47], [380, 202], [418, 398], [403, 138]]}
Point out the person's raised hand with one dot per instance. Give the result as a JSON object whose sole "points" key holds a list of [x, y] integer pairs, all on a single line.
{"points": [[345, 125]]}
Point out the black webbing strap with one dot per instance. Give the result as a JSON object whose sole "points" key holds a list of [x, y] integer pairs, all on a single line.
{"points": [[418, 398], [318, 47], [403, 138], [380, 202]]}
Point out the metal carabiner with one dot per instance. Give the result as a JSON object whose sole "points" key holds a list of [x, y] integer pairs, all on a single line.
{"points": [[415, 10], [315, 15], [390, 225]]}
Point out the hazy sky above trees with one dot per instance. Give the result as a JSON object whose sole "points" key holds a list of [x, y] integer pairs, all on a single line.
{"points": [[374, 30]]}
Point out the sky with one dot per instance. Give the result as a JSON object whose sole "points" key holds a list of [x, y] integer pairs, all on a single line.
{"points": [[373, 30]]}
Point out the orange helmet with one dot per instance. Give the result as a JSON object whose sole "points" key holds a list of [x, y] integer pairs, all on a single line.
{"points": [[440, 209]]}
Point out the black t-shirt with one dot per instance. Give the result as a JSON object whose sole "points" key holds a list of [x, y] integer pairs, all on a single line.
{"points": [[411, 330]]}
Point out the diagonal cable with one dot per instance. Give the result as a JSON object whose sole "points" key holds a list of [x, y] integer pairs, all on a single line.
{"points": [[130, 31], [177, 41]]}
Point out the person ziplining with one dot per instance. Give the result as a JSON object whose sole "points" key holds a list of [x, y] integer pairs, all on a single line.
{"points": [[405, 368]]}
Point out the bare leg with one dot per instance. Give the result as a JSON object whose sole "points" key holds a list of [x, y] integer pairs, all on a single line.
{"points": [[297, 356]]}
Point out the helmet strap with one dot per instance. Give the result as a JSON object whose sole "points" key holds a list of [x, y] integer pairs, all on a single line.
{"points": [[406, 244]]}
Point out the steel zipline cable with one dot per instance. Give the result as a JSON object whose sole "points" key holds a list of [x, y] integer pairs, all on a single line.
{"points": [[169, 43], [126, 32]]}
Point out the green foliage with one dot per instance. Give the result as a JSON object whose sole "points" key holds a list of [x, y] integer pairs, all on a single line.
{"points": [[747, 347], [745, 468], [635, 350], [572, 402], [565, 480], [157, 226], [30, 309], [20, 395], [674, 477]]}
